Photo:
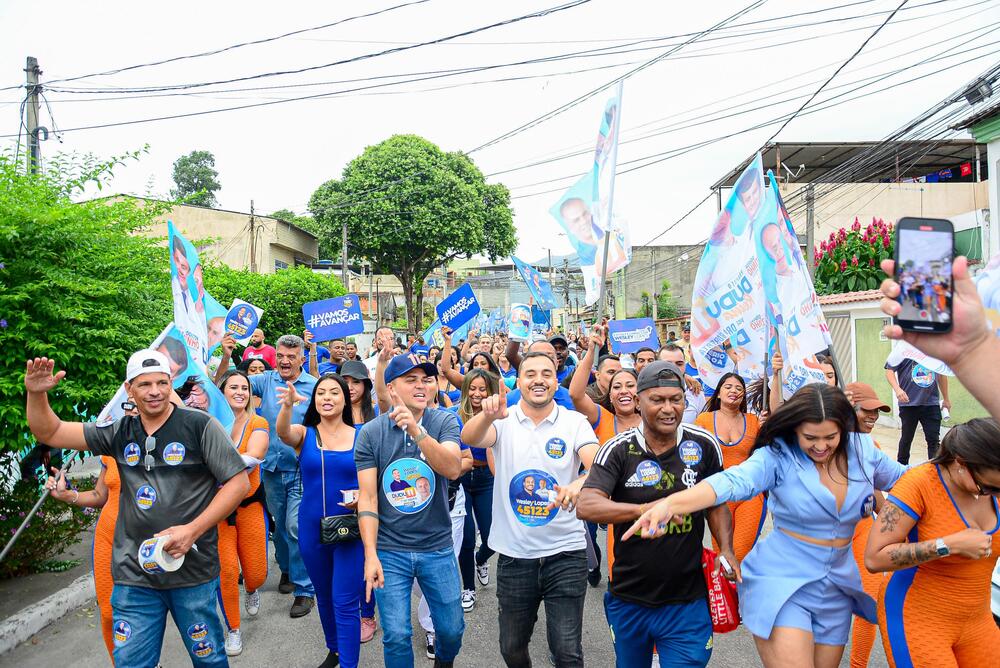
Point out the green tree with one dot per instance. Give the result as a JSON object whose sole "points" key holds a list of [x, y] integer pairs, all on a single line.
{"points": [[666, 303], [196, 178], [280, 294], [409, 207], [76, 285]]}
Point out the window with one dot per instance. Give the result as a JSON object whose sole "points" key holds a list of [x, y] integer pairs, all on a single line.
{"points": [[278, 264]]}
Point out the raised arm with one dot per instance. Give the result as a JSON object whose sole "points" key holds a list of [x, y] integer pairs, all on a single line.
{"points": [[46, 426], [443, 456], [774, 398], [513, 353], [228, 344], [480, 432], [307, 337], [466, 347], [452, 374], [578, 384], [94, 498], [292, 434]]}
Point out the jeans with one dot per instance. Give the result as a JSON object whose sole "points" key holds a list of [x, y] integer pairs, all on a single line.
{"points": [[284, 494], [929, 418], [682, 633], [437, 574], [478, 485], [561, 582], [140, 615]]}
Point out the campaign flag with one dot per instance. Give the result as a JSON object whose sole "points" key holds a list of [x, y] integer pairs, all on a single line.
{"points": [[585, 211], [498, 321], [433, 336], [333, 318], [458, 308], [901, 350], [966, 169], [540, 316], [241, 321], [539, 288], [628, 336]]}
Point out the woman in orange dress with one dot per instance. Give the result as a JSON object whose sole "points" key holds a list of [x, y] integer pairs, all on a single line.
{"points": [[938, 537], [243, 535], [726, 418], [103, 496]]}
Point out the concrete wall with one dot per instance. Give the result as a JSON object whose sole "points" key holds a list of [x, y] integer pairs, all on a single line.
{"points": [[650, 266]]}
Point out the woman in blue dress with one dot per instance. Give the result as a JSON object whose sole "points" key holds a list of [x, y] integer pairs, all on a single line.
{"points": [[800, 583]]}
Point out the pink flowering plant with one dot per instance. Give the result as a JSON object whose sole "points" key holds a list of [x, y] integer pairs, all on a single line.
{"points": [[848, 261]]}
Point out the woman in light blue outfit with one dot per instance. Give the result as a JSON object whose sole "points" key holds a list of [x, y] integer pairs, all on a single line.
{"points": [[800, 584]]}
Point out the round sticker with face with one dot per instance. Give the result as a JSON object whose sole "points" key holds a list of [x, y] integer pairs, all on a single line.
{"points": [[690, 453], [146, 557], [145, 497], [530, 493], [202, 649], [649, 473], [132, 454], [123, 631], [868, 506], [197, 631], [555, 448], [408, 484], [922, 376], [241, 321], [173, 454]]}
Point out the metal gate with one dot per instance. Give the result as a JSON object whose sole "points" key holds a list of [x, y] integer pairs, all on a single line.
{"points": [[840, 332]]}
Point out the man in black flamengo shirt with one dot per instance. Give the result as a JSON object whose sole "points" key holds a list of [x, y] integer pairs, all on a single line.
{"points": [[657, 593]]}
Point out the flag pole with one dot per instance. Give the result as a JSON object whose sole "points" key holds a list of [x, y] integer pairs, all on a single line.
{"points": [[611, 202]]}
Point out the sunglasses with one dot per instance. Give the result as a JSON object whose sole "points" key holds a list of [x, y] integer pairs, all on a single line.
{"points": [[984, 490], [148, 460]]}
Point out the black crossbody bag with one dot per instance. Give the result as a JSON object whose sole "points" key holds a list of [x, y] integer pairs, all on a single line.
{"points": [[334, 528]]}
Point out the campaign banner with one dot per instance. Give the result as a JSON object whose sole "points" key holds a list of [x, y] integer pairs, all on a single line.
{"points": [[458, 308], [628, 336], [333, 318], [519, 323], [198, 317], [541, 318], [241, 321], [901, 350], [539, 288]]}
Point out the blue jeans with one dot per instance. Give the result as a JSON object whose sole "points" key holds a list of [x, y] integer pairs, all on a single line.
{"points": [[437, 574], [682, 633], [478, 484], [140, 615], [284, 494]]}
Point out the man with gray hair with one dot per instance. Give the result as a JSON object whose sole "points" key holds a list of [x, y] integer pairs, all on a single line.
{"points": [[282, 485]]}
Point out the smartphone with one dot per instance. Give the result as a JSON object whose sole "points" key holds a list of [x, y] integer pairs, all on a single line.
{"points": [[727, 569], [925, 248]]}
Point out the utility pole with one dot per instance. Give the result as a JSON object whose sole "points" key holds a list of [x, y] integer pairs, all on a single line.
{"points": [[31, 111], [343, 259], [371, 275], [810, 231], [253, 240], [566, 282], [550, 266], [652, 286]]}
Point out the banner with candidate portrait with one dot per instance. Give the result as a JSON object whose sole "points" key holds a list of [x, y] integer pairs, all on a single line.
{"points": [[241, 321], [540, 289], [585, 211], [198, 317], [628, 336]]}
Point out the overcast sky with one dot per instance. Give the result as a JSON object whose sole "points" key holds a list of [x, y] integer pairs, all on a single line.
{"points": [[277, 155]]}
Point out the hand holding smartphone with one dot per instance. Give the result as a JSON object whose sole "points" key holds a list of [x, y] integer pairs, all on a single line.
{"points": [[925, 249]]}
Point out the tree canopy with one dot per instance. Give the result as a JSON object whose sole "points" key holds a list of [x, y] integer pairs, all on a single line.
{"points": [[409, 208], [196, 179]]}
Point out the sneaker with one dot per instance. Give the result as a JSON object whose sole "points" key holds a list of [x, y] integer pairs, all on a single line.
{"points": [[285, 585], [483, 574], [301, 607], [468, 600], [234, 643], [656, 661], [252, 603], [368, 628], [430, 646], [332, 660], [594, 577]]}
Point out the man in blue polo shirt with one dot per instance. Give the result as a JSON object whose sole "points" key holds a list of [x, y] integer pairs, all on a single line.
{"points": [[279, 472]]}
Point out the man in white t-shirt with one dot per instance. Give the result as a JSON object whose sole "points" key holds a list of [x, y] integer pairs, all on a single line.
{"points": [[539, 448]]}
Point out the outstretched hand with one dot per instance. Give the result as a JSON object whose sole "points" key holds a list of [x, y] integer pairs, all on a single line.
{"points": [[495, 406], [653, 522], [38, 376], [289, 396]]}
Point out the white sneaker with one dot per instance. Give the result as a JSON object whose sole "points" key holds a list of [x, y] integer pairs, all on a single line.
{"points": [[252, 603], [468, 600], [483, 574], [234, 643], [429, 646]]}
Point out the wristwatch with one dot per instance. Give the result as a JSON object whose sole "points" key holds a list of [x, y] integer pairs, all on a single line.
{"points": [[942, 549], [421, 435]]}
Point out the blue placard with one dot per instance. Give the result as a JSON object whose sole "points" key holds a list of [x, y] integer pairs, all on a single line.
{"points": [[627, 336], [333, 318], [459, 308]]}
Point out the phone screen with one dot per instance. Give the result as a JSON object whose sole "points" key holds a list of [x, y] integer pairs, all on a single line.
{"points": [[924, 253]]}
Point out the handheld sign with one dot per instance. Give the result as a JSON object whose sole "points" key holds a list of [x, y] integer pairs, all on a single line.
{"points": [[459, 308], [333, 318], [627, 336], [241, 320], [519, 328]]}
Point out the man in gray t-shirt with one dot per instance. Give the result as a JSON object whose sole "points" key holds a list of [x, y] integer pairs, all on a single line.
{"points": [[180, 476], [406, 528]]}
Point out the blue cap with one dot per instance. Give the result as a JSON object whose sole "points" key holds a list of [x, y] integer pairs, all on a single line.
{"points": [[420, 350], [400, 365]]}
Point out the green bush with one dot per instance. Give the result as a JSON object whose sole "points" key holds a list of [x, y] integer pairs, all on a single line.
{"points": [[849, 261], [53, 529]]}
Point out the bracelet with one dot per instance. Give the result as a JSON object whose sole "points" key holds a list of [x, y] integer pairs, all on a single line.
{"points": [[367, 513], [75, 498]]}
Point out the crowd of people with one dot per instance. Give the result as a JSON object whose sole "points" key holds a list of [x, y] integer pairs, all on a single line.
{"points": [[403, 472]]}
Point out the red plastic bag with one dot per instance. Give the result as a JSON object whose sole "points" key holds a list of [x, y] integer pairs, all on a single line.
{"points": [[722, 600]]}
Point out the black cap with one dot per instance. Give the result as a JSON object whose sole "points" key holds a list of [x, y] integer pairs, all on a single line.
{"points": [[558, 337], [659, 374], [355, 369]]}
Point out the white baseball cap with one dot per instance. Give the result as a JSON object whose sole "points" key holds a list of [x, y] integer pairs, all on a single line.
{"points": [[146, 361]]}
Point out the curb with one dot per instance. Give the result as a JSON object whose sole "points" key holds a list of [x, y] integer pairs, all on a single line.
{"points": [[22, 625]]}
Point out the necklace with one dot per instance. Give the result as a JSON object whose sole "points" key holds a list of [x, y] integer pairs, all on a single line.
{"points": [[715, 430]]}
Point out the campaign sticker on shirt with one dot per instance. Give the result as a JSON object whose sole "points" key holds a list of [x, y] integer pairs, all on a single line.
{"points": [[123, 631], [555, 447], [202, 649], [198, 631], [132, 454], [922, 376], [649, 473], [408, 484], [690, 453], [173, 454], [868, 506], [530, 493], [145, 497]]}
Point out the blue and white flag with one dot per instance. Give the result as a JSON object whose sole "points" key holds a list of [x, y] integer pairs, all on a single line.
{"points": [[628, 336], [458, 308], [539, 288]]}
